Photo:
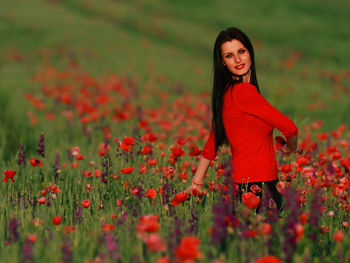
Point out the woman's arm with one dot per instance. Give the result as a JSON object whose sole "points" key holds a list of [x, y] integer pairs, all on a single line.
{"points": [[198, 178], [250, 101]]}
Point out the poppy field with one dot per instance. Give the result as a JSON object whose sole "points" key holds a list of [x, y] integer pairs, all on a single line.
{"points": [[103, 124]]}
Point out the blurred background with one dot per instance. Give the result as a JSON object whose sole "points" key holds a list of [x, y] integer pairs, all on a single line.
{"points": [[165, 46]]}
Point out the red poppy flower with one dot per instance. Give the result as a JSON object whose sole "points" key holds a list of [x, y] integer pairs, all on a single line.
{"points": [[129, 141], [338, 236], [146, 149], [107, 227], [268, 259], [56, 220], [55, 189], [265, 229], [188, 248], [255, 189], [281, 187], [299, 231], [177, 151], [250, 200], [179, 198], [154, 242], [80, 157], [148, 223], [32, 237], [42, 200], [35, 162], [134, 190], [286, 168], [163, 260], [151, 193], [127, 170], [195, 151], [85, 203], [303, 218], [9, 175]]}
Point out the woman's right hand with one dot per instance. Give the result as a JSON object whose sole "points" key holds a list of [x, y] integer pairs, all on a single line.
{"points": [[195, 188], [286, 149]]}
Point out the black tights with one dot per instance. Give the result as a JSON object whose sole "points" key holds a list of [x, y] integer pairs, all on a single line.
{"points": [[276, 196]]}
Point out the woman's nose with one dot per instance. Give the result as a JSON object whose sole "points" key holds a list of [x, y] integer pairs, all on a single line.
{"points": [[237, 58]]}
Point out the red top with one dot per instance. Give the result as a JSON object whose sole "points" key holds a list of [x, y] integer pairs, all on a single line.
{"points": [[249, 121]]}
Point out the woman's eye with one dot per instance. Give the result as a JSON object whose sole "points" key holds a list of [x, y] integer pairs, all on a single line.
{"points": [[241, 51], [228, 56]]}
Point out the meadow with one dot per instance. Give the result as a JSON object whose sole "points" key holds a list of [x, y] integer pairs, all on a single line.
{"points": [[105, 110]]}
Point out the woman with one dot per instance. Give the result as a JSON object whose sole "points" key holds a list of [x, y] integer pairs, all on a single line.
{"points": [[243, 119]]}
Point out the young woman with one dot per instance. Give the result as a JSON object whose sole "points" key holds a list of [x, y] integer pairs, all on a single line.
{"points": [[243, 119]]}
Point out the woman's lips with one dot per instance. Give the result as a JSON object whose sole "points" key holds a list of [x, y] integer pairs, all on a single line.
{"points": [[240, 66]]}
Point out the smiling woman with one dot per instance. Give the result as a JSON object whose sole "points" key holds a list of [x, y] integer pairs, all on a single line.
{"points": [[243, 120], [236, 58]]}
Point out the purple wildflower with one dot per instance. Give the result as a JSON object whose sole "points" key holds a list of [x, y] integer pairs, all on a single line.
{"points": [[27, 251], [13, 230], [77, 214], [56, 166], [21, 156], [175, 236], [41, 145], [315, 213], [193, 221], [290, 241], [112, 247], [123, 218], [168, 190], [67, 253], [106, 164]]}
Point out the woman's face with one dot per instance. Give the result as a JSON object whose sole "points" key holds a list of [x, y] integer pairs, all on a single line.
{"points": [[236, 58]]}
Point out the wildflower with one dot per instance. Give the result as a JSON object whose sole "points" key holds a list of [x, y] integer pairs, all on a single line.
{"points": [[42, 200], [32, 237], [151, 193], [13, 230], [9, 174], [338, 236], [66, 251], [255, 189], [179, 198], [163, 260], [265, 229], [188, 249], [154, 242], [85, 203], [148, 223], [126, 170], [119, 202], [112, 247], [107, 227], [281, 187], [268, 259], [21, 156], [27, 251], [56, 220], [250, 200], [35, 162], [299, 231], [41, 145]]}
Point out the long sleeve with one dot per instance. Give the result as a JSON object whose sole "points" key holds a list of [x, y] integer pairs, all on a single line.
{"points": [[208, 151], [249, 100]]}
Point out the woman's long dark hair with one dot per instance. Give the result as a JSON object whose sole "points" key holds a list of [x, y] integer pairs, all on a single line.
{"points": [[224, 79]]}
